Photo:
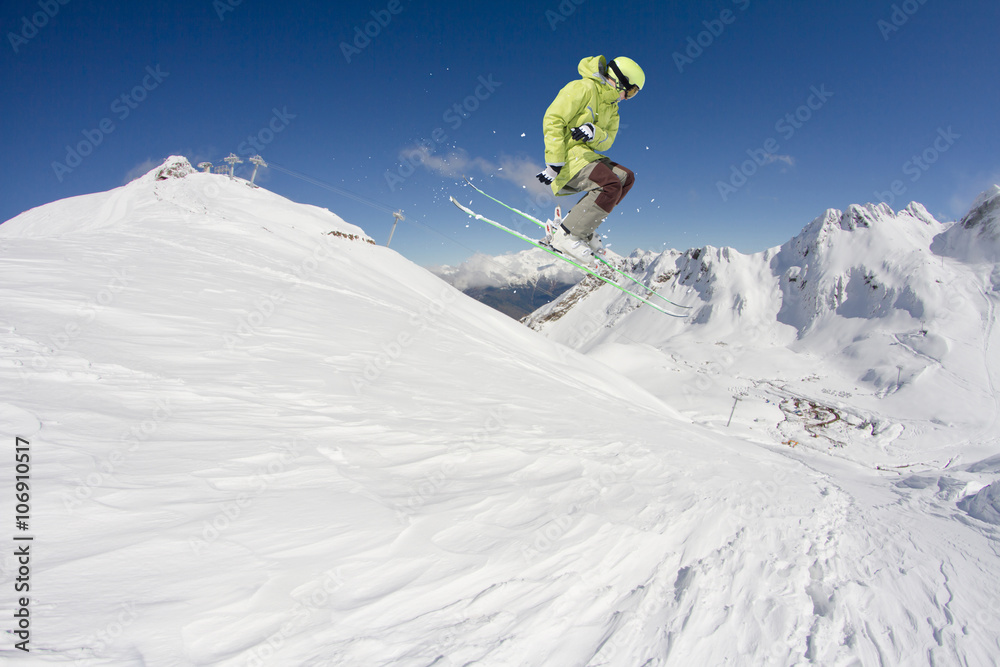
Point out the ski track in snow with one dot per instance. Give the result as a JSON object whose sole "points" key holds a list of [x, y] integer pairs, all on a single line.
{"points": [[988, 344], [375, 470]]}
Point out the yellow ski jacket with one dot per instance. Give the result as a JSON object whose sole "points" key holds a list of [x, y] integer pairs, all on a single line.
{"points": [[587, 100]]}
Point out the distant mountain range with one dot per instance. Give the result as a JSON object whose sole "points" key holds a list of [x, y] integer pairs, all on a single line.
{"points": [[893, 305], [515, 284]]}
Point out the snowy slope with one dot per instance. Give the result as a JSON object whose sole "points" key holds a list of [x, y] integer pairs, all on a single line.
{"points": [[976, 237], [255, 442]]}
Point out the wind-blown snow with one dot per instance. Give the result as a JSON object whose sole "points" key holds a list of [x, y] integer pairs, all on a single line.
{"points": [[985, 505], [257, 442]]}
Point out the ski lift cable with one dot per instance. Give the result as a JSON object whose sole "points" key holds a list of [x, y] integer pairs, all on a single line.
{"points": [[367, 202], [332, 188], [385, 209], [362, 200]]}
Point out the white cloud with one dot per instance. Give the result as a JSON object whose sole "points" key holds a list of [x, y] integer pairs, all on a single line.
{"points": [[453, 165], [458, 163], [787, 159]]}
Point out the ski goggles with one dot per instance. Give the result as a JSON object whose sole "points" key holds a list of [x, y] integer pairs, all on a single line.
{"points": [[623, 84]]}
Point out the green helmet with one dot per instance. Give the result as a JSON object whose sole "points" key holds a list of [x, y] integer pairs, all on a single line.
{"points": [[628, 73]]}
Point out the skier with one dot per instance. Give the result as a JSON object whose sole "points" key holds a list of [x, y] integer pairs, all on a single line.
{"points": [[582, 120]]}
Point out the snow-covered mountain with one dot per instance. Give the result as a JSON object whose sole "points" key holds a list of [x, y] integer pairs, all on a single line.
{"points": [[515, 284], [256, 438], [887, 316], [976, 237]]}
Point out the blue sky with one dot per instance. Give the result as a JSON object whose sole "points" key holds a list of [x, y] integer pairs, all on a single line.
{"points": [[756, 117]]}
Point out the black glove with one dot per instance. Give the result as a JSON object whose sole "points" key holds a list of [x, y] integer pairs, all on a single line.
{"points": [[547, 175], [583, 133]]}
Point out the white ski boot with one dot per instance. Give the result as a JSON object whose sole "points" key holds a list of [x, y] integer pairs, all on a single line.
{"points": [[596, 244], [559, 239]]}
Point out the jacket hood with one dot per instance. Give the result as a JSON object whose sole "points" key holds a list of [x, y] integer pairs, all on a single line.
{"points": [[593, 67]]}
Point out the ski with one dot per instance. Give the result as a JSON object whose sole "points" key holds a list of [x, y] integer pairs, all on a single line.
{"points": [[563, 257], [652, 292]]}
